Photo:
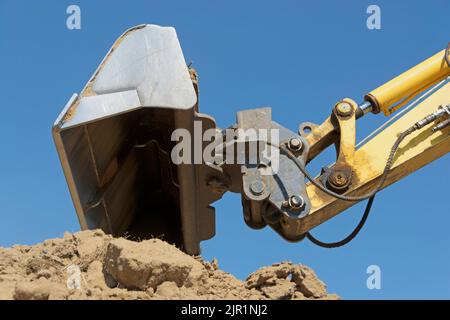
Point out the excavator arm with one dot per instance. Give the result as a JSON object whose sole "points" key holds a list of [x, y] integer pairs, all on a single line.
{"points": [[140, 159], [368, 161], [365, 165]]}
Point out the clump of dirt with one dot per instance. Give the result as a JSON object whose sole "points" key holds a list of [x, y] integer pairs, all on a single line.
{"points": [[93, 265]]}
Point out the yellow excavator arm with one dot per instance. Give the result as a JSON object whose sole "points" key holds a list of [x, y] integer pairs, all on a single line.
{"points": [[396, 93], [359, 170]]}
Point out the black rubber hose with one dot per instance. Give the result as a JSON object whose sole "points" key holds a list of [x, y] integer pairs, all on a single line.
{"points": [[351, 236]]}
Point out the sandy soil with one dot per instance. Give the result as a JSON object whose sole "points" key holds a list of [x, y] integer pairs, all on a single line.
{"points": [[92, 265]]}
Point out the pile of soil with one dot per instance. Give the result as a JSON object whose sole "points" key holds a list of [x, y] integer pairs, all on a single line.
{"points": [[93, 265]]}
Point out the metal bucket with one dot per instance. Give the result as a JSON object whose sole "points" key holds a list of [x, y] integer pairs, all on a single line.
{"points": [[114, 143]]}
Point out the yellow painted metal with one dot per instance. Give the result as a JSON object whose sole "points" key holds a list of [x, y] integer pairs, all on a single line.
{"points": [[395, 93], [320, 137], [347, 131], [417, 150]]}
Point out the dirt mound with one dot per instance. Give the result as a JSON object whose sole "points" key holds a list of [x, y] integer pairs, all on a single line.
{"points": [[92, 265]]}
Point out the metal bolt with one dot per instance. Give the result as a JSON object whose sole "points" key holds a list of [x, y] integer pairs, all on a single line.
{"points": [[257, 187], [344, 109], [295, 144], [296, 202], [338, 179]]}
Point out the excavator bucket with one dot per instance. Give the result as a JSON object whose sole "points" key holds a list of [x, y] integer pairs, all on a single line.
{"points": [[114, 143]]}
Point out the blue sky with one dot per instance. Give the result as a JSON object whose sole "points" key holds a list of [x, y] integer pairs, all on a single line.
{"points": [[297, 57]]}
